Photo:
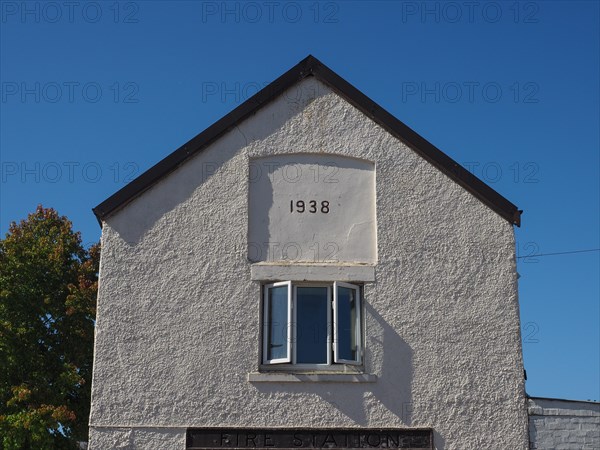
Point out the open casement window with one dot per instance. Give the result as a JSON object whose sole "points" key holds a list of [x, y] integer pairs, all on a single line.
{"points": [[277, 347], [346, 322], [312, 325]]}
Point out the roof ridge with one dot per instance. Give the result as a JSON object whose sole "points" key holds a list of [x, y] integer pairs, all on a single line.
{"points": [[311, 66]]}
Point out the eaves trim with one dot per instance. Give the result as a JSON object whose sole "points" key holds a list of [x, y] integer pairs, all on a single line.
{"points": [[311, 66]]}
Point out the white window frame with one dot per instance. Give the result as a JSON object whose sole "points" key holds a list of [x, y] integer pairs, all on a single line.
{"points": [[357, 325], [267, 321], [333, 362], [295, 324]]}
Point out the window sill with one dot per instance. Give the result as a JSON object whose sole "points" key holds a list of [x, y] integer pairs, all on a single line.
{"points": [[312, 272], [279, 377]]}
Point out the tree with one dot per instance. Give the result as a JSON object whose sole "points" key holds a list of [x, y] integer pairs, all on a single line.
{"points": [[48, 285]]}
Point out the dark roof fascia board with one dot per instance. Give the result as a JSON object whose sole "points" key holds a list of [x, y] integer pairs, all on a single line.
{"points": [[170, 163], [420, 145], [312, 66]]}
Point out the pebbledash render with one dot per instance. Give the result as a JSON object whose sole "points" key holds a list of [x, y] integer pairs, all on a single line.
{"points": [[308, 272]]}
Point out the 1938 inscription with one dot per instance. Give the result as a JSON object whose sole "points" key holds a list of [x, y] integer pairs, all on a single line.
{"points": [[408, 439], [311, 206]]}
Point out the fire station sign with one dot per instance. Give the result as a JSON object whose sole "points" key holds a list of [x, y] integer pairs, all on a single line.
{"points": [[348, 438]]}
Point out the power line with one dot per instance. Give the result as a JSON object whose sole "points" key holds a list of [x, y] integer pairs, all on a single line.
{"points": [[560, 253]]}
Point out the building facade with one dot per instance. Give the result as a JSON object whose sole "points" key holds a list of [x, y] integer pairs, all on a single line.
{"points": [[308, 272]]}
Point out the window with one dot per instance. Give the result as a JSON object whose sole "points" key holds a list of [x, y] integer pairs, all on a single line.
{"points": [[312, 324]]}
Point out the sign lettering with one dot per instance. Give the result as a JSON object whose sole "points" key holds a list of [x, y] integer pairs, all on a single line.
{"points": [[232, 438]]}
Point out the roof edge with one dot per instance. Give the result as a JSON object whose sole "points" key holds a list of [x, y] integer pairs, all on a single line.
{"points": [[569, 400], [307, 67], [171, 162], [420, 145]]}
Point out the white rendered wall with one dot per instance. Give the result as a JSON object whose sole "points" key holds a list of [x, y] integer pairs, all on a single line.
{"points": [[178, 315], [563, 425]]}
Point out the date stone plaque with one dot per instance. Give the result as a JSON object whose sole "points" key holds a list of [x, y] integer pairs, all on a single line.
{"points": [[311, 208], [290, 438]]}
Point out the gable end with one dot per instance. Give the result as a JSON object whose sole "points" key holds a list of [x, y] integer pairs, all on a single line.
{"points": [[311, 66]]}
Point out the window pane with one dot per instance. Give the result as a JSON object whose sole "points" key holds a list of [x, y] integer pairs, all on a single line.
{"points": [[347, 345], [311, 325], [277, 328]]}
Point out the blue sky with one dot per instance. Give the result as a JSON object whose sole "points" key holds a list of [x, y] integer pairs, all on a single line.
{"points": [[94, 93]]}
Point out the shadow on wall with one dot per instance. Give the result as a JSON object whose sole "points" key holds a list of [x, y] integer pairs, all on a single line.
{"points": [[394, 385], [361, 402], [395, 371], [143, 212], [176, 188], [438, 441]]}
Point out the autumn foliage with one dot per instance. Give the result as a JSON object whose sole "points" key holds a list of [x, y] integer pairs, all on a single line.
{"points": [[48, 285]]}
